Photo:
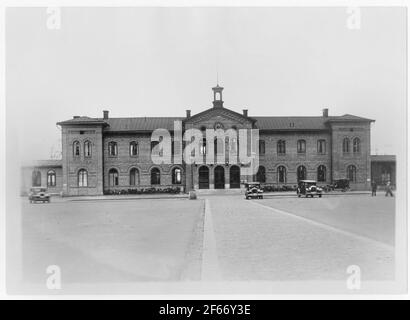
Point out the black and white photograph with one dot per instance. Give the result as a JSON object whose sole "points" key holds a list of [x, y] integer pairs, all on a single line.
{"points": [[209, 150]]}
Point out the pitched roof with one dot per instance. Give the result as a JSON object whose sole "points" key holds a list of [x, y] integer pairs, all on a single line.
{"points": [[82, 120], [263, 123], [141, 124], [291, 123]]}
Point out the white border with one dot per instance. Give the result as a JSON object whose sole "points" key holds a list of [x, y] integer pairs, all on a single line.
{"points": [[402, 243]]}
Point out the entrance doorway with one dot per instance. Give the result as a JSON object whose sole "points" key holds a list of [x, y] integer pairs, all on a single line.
{"points": [[203, 175], [219, 174], [235, 177]]}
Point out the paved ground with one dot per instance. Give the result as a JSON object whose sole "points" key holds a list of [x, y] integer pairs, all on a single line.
{"points": [[303, 239], [229, 238], [113, 241]]}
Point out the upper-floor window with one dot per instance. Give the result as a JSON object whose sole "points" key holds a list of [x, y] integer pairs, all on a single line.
{"points": [[356, 145], [87, 149], [321, 146], [76, 148], [153, 145], [203, 147], [281, 147], [112, 149], [301, 146], [134, 149], [82, 178], [346, 145], [51, 178], [261, 146]]}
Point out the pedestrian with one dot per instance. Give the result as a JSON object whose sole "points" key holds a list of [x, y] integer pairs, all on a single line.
{"points": [[374, 188], [388, 189]]}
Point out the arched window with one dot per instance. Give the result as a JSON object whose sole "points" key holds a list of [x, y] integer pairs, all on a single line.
{"points": [[113, 177], [281, 174], [351, 173], [203, 146], [301, 173], [261, 146], [87, 149], [261, 174], [321, 146], [112, 149], [346, 145], [36, 179], [301, 146], [82, 178], [134, 150], [76, 149], [281, 147], [356, 145], [51, 178], [176, 176], [155, 176], [321, 173], [134, 177]]}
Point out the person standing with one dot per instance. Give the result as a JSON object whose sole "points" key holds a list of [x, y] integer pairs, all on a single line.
{"points": [[388, 189], [374, 188]]}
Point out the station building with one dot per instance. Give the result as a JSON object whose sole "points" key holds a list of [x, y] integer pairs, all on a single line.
{"points": [[104, 154]]}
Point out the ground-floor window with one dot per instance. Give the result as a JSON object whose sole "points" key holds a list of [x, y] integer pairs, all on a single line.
{"points": [[261, 174], [176, 176], [155, 176], [51, 178], [301, 173], [113, 177], [134, 177], [281, 174], [321, 173], [82, 178], [351, 173]]}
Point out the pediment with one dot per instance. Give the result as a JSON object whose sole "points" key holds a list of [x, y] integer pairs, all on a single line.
{"points": [[219, 115]]}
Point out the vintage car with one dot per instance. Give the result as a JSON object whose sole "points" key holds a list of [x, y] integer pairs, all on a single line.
{"points": [[342, 184], [308, 188], [253, 190], [38, 194]]}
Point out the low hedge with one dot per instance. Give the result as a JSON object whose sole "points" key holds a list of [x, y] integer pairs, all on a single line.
{"points": [[147, 190]]}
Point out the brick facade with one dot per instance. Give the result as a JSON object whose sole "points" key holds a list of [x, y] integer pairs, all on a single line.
{"points": [[100, 132]]}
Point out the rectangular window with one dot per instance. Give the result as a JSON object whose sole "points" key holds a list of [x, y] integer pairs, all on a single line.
{"points": [[321, 146], [261, 147], [301, 146]]}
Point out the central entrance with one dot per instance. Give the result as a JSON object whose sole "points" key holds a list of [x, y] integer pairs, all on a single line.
{"points": [[219, 174], [234, 177]]}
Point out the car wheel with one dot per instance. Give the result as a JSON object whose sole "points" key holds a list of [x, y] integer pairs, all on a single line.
{"points": [[298, 195]]}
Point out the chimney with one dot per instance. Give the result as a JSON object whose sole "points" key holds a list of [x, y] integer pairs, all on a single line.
{"points": [[325, 112], [188, 113], [245, 112], [105, 113], [76, 117]]}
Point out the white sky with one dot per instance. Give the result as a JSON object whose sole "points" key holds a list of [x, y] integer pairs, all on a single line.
{"points": [[162, 61]]}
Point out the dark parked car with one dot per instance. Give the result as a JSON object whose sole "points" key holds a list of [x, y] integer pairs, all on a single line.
{"points": [[342, 184], [253, 190], [38, 194], [308, 188]]}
